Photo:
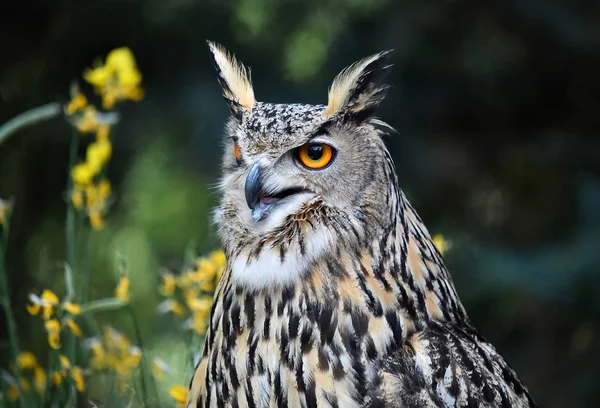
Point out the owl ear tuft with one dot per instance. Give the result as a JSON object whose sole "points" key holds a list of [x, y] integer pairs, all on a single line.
{"points": [[358, 89], [234, 79]]}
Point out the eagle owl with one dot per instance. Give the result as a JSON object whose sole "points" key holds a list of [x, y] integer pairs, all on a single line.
{"points": [[333, 294]]}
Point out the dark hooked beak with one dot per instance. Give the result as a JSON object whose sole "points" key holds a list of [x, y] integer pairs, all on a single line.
{"points": [[259, 201], [253, 188]]}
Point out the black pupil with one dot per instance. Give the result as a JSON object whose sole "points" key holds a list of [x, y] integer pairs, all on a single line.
{"points": [[315, 152]]}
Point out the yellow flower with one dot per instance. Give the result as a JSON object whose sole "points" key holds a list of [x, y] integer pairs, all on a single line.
{"points": [[83, 173], [88, 120], [33, 308], [171, 305], [77, 103], [208, 285], [13, 392], [50, 297], [159, 367], [114, 338], [47, 301], [77, 375], [118, 79], [167, 288], [65, 364], [39, 379], [122, 289], [103, 132], [133, 356], [97, 194], [26, 360], [53, 329], [96, 220], [98, 360], [104, 188], [179, 393], [201, 305], [177, 308], [204, 275], [207, 266], [114, 352], [440, 242], [198, 322], [184, 280], [109, 97], [201, 310], [120, 60], [98, 153], [72, 308], [74, 327], [56, 378], [218, 257], [98, 76], [77, 197], [93, 197]]}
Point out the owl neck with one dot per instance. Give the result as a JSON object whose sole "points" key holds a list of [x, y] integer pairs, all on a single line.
{"points": [[393, 278], [396, 273]]}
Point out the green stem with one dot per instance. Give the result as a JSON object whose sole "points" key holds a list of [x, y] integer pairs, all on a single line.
{"points": [[70, 224], [10, 318], [84, 290], [71, 246], [138, 335], [101, 305], [27, 118]]}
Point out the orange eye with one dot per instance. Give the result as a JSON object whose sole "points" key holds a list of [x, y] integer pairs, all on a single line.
{"points": [[315, 156], [237, 153]]}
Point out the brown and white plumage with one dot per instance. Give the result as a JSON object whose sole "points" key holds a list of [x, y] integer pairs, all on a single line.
{"points": [[333, 294]]}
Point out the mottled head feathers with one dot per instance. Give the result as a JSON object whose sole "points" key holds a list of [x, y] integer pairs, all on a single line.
{"points": [[234, 79], [354, 94]]}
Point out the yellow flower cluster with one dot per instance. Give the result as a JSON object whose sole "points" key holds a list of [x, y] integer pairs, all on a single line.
{"points": [[32, 373], [114, 351], [87, 119], [56, 315], [190, 293], [88, 193], [118, 79], [115, 81], [94, 198], [67, 369]]}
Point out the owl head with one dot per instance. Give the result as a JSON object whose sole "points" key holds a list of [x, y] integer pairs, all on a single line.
{"points": [[301, 181]]}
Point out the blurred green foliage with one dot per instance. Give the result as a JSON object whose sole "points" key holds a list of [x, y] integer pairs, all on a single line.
{"points": [[496, 105]]}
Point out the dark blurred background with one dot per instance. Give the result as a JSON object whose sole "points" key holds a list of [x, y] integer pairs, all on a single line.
{"points": [[496, 104]]}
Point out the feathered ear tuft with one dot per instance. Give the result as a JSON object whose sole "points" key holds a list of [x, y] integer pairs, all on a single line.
{"points": [[357, 90], [234, 79]]}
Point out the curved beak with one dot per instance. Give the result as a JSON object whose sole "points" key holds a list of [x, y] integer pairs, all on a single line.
{"points": [[253, 189], [259, 201]]}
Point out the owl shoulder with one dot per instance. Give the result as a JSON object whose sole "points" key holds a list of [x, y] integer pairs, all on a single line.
{"points": [[448, 365]]}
